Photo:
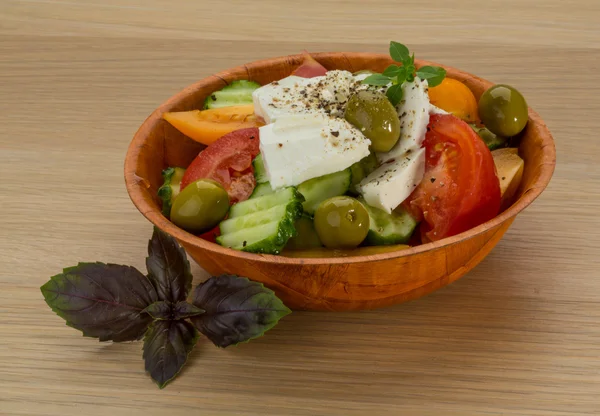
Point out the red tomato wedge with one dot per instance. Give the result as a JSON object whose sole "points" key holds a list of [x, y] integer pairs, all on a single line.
{"points": [[229, 162], [310, 68], [460, 189]]}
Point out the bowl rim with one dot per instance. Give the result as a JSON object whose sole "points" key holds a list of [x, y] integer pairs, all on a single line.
{"points": [[136, 185]]}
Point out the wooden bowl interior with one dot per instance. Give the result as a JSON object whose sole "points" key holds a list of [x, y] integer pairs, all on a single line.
{"points": [[158, 145]]}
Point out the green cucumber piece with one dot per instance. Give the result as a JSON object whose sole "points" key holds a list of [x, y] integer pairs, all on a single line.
{"points": [[491, 140], [170, 188], [361, 170], [306, 237], [260, 174], [264, 202], [237, 93], [232, 225], [264, 224], [319, 189], [385, 229], [262, 189]]}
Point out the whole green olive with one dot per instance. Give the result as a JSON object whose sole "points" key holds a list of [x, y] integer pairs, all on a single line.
{"points": [[375, 116], [341, 222], [503, 110], [200, 206]]}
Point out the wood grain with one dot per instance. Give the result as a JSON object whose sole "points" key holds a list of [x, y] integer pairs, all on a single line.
{"points": [[519, 334], [328, 284]]}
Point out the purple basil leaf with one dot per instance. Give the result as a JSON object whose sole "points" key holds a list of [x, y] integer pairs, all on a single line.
{"points": [[168, 267], [167, 345], [183, 310], [161, 310], [237, 309], [104, 301]]}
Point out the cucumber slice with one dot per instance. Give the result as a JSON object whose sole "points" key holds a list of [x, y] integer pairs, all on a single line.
{"points": [[384, 228], [319, 189], [263, 203], [361, 170], [262, 189], [232, 225], [306, 237], [237, 93], [170, 188], [260, 174], [491, 140], [264, 224]]}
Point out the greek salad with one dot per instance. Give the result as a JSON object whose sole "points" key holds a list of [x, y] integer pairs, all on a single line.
{"points": [[327, 160]]}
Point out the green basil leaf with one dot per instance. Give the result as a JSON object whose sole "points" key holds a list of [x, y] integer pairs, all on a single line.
{"points": [[183, 310], [376, 79], [399, 52], [168, 267], [401, 76], [237, 309], [391, 71], [167, 345], [433, 74], [104, 301], [394, 94]]}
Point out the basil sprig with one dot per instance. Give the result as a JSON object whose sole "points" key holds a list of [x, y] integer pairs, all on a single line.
{"points": [[397, 75]]}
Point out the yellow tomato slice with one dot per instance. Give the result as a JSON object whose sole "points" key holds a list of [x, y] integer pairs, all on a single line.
{"points": [[206, 126], [455, 97]]}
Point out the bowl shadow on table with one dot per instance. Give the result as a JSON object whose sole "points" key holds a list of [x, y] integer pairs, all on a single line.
{"points": [[463, 325]]}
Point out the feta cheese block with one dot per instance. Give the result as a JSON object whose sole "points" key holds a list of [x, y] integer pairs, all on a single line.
{"points": [[413, 110], [298, 147], [295, 95], [270, 100], [391, 183]]}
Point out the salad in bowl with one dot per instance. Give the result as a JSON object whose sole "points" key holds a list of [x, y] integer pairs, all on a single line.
{"points": [[332, 162]]}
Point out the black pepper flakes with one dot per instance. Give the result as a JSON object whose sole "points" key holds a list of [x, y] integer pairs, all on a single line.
{"points": [[432, 180], [280, 144], [335, 133]]}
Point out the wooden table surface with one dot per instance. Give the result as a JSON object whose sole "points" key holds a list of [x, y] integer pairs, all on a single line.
{"points": [[518, 335]]}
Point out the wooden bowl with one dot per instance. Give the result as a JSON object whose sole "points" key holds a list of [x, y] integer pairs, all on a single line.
{"points": [[335, 284]]}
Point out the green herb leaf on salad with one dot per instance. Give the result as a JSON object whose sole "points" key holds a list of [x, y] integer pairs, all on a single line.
{"points": [[399, 52], [118, 303], [237, 310], [397, 75], [433, 74], [395, 93], [377, 79]]}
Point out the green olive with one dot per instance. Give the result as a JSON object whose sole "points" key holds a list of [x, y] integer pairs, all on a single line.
{"points": [[200, 206], [373, 114], [503, 110], [341, 222]]}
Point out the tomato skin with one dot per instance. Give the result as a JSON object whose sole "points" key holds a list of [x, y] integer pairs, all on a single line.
{"points": [[309, 68], [229, 162], [207, 126], [460, 189]]}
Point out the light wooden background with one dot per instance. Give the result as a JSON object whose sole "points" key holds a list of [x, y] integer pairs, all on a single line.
{"points": [[519, 335]]}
